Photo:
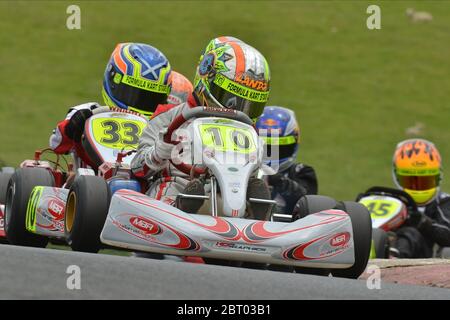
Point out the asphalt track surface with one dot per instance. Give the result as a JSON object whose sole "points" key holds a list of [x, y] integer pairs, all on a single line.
{"points": [[29, 273]]}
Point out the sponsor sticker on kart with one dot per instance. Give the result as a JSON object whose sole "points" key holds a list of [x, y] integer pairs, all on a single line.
{"points": [[237, 246]]}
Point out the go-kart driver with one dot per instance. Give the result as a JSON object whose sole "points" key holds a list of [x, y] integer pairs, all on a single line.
{"points": [[226, 62], [279, 128], [138, 78], [417, 171]]}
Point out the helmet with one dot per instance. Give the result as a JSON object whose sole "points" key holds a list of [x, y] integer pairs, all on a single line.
{"points": [[232, 74], [180, 90], [417, 169], [278, 127], [136, 78]]}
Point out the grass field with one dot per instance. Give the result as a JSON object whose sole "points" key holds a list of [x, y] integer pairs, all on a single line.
{"points": [[355, 91]]}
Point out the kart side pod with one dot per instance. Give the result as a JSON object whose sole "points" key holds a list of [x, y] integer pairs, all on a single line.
{"points": [[320, 240]]}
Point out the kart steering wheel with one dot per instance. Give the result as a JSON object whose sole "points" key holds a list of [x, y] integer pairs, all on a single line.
{"points": [[396, 193], [200, 112]]}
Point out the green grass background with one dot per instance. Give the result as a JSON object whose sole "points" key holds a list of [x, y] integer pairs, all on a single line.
{"points": [[355, 91]]}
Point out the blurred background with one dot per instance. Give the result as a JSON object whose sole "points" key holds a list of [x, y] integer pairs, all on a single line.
{"points": [[356, 92]]}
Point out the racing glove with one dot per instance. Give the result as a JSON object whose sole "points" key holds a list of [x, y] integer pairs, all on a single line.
{"points": [[157, 155], [75, 126]]}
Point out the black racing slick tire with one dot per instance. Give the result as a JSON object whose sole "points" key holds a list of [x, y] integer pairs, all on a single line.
{"points": [[362, 239], [20, 187], [310, 204], [86, 210], [307, 205]]}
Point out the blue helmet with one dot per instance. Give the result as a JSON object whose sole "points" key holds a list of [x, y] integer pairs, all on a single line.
{"points": [[278, 127], [137, 78]]}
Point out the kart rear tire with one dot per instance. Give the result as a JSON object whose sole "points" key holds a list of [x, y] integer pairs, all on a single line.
{"points": [[362, 240], [4, 180], [19, 189], [86, 210], [381, 243], [307, 205]]}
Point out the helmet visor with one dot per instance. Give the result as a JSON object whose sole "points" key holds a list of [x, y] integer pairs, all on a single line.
{"points": [[286, 146], [238, 97], [140, 94], [418, 182]]}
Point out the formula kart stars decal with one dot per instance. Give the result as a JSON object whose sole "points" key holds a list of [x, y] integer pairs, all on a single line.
{"points": [[154, 231]]}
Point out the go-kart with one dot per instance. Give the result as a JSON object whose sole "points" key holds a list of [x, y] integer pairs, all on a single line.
{"points": [[220, 147], [38, 192], [389, 209]]}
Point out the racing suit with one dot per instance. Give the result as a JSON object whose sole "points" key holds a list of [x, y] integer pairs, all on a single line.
{"points": [[289, 185], [167, 181], [416, 238]]}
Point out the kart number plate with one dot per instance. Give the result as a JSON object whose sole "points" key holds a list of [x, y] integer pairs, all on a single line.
{"points": [[381, 208], [225, 138], [117, 133]]}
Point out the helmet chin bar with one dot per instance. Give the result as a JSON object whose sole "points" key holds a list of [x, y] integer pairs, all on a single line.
{"points": [[409, 191], [415, 194]]}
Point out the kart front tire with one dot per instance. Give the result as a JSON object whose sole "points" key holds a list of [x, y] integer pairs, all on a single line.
{"points": [[307, 205], [86, 210], [19, 189], [310, 204], [362, 240]]}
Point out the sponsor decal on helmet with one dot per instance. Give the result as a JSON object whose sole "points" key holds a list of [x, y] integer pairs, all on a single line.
{"points": [[240, 90], [271, 122], [117, 78], [252, 83], [419, 163], [146, 84], [206, 64]]}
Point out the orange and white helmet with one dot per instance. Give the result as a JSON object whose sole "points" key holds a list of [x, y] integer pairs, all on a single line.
{"points": [[417, 169], [180, 90]]}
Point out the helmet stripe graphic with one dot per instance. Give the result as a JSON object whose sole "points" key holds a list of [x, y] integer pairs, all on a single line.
{"points": [[240, 58], [118, 59]]}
